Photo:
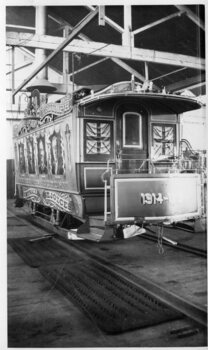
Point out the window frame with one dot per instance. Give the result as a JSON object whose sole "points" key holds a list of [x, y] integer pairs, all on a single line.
{"points": [[124, 119], [98, 157], [162, 124]]}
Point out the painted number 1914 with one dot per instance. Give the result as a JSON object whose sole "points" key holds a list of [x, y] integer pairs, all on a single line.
{"points": [[153, 198]]}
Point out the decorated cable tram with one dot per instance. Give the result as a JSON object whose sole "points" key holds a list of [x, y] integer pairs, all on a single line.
{"points": [[104, 161]]}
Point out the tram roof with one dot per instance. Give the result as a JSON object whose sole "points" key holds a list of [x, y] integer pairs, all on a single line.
{"points": [[175, 103]]}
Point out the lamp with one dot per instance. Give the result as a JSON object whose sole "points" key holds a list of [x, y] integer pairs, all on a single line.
{"points": [[43, 85]]}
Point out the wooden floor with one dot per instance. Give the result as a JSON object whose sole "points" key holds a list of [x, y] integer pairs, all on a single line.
{"points": [[40, 316]]}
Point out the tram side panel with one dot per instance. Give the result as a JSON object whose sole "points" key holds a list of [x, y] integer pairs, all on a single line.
{"points": [[45, 165]]}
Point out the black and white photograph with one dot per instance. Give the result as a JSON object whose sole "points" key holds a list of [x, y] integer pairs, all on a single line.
{"points": [[104, 223]]}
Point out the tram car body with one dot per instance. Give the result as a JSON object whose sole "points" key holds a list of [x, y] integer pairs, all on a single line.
{"points": [[109, 159]]}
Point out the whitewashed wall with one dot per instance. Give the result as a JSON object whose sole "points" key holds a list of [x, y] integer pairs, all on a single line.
{"points": [[194, 128]]}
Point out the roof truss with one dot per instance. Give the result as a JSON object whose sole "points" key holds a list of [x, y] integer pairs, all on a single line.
{"points": [[186, 83], [103, 49], [116, 52], [191, 15], [86, 38]]}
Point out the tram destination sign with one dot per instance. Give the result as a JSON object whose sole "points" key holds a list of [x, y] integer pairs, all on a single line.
{"points": [[171, 197]]}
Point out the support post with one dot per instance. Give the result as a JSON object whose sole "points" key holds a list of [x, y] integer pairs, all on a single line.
{"points": [[66, 62], [127, 35], [40, 29], [146, 71], [101, 16], [13, 72]]}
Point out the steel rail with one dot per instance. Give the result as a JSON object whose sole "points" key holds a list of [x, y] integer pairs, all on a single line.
{"points": [[197, 251]]}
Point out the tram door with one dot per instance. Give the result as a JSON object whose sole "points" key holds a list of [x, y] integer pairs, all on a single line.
{"points": [[131, 139]]}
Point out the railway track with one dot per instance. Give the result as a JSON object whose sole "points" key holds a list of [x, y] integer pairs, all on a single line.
{"points": [[116, 292], [151, 289]]}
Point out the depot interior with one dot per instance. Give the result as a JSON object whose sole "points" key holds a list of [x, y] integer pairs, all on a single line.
{"points": [[159, 44], [165, 46]]}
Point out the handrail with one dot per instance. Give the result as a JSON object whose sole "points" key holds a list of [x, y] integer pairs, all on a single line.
{"points": [[106, 187]]}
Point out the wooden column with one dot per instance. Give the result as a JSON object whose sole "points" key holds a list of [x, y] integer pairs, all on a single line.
{"points": [[127, 35], [66, 62], [40, 29], [146, 71], [13, 72]]}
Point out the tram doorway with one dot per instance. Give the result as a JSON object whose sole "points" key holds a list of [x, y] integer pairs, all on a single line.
{"points": [[131, 138]]}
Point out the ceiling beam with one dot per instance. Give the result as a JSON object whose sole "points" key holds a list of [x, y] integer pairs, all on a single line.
{"points": [[153, 24], [86, 38], [192, 16], [170, 73], [89, 66], [59, 48], [186, 83], [129, 69], [103, 49], [20, 67], [54, 17], [111, 23], [16, 26], [194, 86]]}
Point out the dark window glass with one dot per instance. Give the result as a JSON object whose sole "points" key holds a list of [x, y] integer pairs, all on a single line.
{"points": [[132, 130]]}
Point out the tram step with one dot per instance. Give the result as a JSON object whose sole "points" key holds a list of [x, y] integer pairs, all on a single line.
{"points": [[97, 221], [95, 233]]}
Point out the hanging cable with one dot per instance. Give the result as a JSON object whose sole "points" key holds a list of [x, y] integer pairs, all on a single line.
{"points": [[160, 229]]}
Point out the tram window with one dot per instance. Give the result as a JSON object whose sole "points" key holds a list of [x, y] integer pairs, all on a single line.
{"points": [[132, 130], [98, 140], [163, 140]]}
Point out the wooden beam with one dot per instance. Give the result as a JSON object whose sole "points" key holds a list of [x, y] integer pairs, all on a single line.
{"points": [[128, 69], [153, 24], [13, 74], [170, 73], [89, 66], [59, 47], [101, 16], [20, 67], [40, 29], [191, 15], [103, 49], [16, 26], [64, 23], [66, 60], [184, 84], [86, 38], [127, 34], [146, 68], [115, 60], [110, 22], [191, 87]]}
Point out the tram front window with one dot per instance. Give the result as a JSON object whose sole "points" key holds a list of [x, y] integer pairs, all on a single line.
{"points": [[163, 141], [98, 140]]}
